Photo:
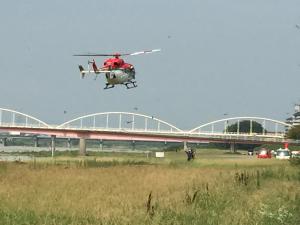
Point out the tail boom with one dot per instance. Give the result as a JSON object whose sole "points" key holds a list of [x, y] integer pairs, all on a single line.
{"points": [[96, 71]]}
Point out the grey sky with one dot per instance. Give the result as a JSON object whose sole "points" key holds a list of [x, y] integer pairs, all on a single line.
{"points": [[236, 57]]}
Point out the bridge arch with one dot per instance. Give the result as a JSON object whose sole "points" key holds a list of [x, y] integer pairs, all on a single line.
{"points": [[120, 121], [279, 126], [10, 117]]}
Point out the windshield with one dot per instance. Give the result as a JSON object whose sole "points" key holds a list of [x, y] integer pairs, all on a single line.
{"points": [[283, 153], [263, 152]]}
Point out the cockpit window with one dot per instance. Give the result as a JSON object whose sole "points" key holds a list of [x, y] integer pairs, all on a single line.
{"points": [[283, 153]]}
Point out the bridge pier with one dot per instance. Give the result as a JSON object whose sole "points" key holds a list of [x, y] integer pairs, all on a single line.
{"points": [[133, 145], [53, 137], [232, 147], [3, 142], [36, 141], [185, 146], [82, 146], [101, 144], [69, 143]]}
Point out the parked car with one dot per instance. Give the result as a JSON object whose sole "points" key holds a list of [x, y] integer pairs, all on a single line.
{"points": [[295, 154], [264, 154], [283, 154]]}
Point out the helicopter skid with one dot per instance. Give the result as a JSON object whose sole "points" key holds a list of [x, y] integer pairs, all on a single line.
{"points": [[109, 86], [131, 84]]}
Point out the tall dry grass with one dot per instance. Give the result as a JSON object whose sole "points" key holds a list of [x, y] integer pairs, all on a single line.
{"points": [[171, 192]]}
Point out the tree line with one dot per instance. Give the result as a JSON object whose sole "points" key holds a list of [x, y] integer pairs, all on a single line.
{"points": [[247, 126]]}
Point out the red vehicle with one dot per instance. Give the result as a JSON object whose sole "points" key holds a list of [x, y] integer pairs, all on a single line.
{"points": [[264, 154]]}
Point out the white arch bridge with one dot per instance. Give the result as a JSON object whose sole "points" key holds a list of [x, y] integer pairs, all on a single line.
{"points": [[139, 127]]}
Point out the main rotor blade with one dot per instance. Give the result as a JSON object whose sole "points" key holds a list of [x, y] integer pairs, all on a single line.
{"points": [[94, 55], [144, 52], [118, 54]]}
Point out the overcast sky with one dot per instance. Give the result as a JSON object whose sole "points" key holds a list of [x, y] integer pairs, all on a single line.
{"points": [[235, 57]]}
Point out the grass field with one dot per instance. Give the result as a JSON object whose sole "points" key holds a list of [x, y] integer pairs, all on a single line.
{"points": [[215, 188]]}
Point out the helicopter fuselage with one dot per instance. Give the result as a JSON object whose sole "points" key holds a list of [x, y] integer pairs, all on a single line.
{"points": [[115, 69], [120, 76], [119, 72]]}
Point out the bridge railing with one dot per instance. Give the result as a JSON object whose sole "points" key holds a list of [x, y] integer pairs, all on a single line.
{"points": [[269, 127], [120, 121], [209, 133], [12, 118]]}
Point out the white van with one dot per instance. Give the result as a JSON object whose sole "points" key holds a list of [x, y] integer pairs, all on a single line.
{"points": [[283, 154]]}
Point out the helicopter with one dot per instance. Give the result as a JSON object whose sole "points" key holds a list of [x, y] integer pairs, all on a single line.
{"points": [[116, 70]]}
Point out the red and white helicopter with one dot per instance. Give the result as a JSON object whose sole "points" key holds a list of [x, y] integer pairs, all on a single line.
{"points": [[116, 70]]}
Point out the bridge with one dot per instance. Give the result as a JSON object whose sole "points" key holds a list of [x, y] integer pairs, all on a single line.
{"points": [[138, 127]]}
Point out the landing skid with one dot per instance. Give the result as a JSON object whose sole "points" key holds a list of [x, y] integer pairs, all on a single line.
{"points": [[131, 84], [109, 86]]}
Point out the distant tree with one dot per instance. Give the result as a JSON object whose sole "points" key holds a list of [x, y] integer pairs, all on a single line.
{"points": [[245, 127], [294, 133]]}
